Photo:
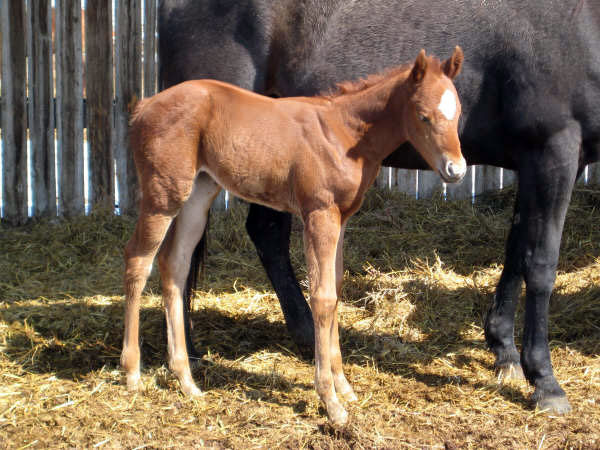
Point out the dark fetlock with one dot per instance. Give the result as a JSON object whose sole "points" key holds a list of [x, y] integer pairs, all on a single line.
{"points": [[508, 365], [509, 372], [550, 397]]}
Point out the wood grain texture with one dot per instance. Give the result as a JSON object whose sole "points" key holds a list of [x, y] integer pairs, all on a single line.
{"points": [[429, 183], [70, 108], [99, 96], [41, 108], [405, 181], [14, 108], [128, 91], [149, 47]]}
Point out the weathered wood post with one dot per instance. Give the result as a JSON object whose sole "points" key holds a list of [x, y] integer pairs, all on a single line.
{"points": [[149, 47], [406, 181], [128, 91], [463, 190], [99, 101], [594, 173], [70, 107], [429, 183], [14, 112], [487, 179], [41, 108]]}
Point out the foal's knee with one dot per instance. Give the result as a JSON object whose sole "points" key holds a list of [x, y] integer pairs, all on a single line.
{"points": [[130, 358], [323, 308]]}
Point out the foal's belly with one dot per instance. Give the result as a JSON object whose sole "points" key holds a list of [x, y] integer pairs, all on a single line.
{"points": [[253, 163], [258, 188]]}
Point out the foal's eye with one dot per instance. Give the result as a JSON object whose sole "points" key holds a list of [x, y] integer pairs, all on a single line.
{"points": [[424, 119]]}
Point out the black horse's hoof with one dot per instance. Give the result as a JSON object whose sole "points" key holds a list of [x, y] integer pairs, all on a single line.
{"points": [[509, 373], [554, 404]]}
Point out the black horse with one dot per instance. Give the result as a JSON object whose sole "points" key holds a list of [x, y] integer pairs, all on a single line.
{"points": [[530, 93]]}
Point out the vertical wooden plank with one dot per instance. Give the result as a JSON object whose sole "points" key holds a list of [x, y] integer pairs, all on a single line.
{"points": [[14, 117], [464, 189], [41, 108], [406, 181], [393, 178], [594, 173], [0, 48], [429, 183], [381, 181], [509, 177], [56, 12], [219, 203], [149, 47], [99, 93], [128, 91], [70, 108], [487, 179], [581, 179]]}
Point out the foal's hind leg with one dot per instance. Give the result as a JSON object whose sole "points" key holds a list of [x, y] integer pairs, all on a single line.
{"points": [[174, 260], [139, 253], [342, 387], [321, 234]]}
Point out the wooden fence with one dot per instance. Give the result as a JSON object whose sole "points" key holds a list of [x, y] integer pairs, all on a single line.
{"points": [[70, 77]]}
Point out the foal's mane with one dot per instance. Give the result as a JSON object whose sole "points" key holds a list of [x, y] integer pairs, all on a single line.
{"points": [[354, 86]]}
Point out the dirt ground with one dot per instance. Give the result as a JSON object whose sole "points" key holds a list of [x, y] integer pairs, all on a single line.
{"points": [[419, 278]]}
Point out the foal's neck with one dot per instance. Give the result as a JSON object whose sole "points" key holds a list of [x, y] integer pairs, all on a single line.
{"points": [[374, 116]]}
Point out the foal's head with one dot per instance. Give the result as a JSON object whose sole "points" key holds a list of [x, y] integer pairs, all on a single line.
{"points": [[431, 115]]}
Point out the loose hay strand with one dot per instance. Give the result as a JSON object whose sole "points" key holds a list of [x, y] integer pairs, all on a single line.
{"points": [[419, 278]]}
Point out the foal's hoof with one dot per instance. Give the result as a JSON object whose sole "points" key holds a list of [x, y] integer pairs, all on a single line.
{"points": [[554, 405], [348, 396], [133, 382], [190, 390], [338, 416], [509, 372]]}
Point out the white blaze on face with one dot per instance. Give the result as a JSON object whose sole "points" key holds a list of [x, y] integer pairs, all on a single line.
{"points": [[447, 105]]}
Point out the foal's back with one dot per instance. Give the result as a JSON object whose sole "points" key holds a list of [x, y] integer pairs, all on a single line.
{"points": [[259, 148]]}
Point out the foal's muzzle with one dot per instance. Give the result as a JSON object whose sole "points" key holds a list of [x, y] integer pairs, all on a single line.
{"points": [[454, 172]]}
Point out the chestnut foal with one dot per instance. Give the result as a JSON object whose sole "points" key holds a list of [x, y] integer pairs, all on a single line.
{"points": [[314, 157]]}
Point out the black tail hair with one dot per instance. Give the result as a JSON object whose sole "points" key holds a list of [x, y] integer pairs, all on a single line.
{"points": [[197, 265]]}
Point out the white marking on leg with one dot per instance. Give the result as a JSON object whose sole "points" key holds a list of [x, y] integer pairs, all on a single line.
{"points": [[189, 227], [191, 222], [447, 104]]}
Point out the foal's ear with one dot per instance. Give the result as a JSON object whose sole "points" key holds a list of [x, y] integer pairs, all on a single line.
{"points": [[420, 67], [453, 65]]}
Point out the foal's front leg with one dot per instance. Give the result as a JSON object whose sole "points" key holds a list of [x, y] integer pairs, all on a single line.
{"points": [[321, 234]]}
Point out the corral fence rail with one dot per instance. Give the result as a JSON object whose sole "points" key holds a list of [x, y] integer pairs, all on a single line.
{"points": [[70, 77]]}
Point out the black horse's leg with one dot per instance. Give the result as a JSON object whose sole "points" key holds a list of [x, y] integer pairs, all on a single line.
{"points": [[500, 320], [546, 180], [270, 232]]}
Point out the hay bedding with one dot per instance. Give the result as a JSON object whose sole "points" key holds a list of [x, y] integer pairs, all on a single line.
{"points": [[419, 278]]}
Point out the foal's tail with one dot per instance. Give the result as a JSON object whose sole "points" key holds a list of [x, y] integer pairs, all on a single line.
{"points": [[135, 108], [197, 265]]}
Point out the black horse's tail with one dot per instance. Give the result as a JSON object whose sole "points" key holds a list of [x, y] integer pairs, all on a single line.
{"points": [[196, 266]]}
